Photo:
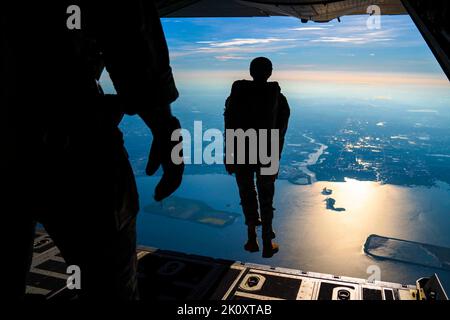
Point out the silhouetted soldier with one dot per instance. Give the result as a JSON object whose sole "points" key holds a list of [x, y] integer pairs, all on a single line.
{"points": [[66, 164], [257, 104]]}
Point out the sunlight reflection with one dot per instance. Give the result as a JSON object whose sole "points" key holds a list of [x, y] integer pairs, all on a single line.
{"points": [[358, 193]]}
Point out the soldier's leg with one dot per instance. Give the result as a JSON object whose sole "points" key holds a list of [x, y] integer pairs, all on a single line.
{"points": [[95, 229], [266, 192], [247, 192], [106, 258], [18, 223], [249, 202], [19, 252]]}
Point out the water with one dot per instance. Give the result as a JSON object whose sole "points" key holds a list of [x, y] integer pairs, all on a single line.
{"points": [[312, 158], [311, 237]]}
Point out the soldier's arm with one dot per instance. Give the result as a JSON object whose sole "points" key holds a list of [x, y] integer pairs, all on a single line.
{"points": [[228, 123], [230, 111], [284, 113], [137, 59], [226, 114], [136, 55]]}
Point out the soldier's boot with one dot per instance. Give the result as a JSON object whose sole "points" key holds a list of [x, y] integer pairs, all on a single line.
{"points": [[252, 242]]}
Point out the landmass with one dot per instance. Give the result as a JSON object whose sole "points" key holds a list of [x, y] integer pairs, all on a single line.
{"points": [[387, 145], [192, 210]]}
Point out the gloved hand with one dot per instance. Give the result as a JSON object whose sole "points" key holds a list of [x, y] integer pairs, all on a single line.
{"points": [[160, 155]]}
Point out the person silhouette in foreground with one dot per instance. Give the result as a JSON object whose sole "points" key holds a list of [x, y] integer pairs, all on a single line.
{"points": [[257, 104], [67, 165]]}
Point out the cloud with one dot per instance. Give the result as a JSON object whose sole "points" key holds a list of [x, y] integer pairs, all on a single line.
{"points": [[352, 40], [243, 42], [308, 29], [242, 49], [313, 28], [213, 43], [340, 39], [242, 45], [385, 98], [230, 57], [350, 33], [423, 111], [228, 51]]}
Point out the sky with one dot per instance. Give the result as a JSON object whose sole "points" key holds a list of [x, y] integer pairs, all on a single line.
{"points": [[320, 51], [334, 60]]}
